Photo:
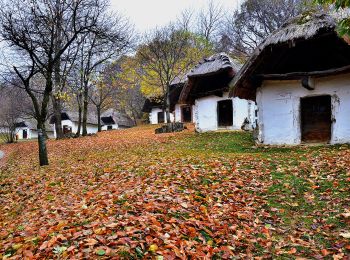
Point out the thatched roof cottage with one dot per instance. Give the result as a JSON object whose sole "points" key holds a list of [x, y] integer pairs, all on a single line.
{"points": [[300, 78], [155, 105], [112, 119], [70, 122], [207, 90], [26, 128]]}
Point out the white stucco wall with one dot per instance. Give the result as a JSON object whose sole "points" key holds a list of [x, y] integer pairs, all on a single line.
{"points": [[206, 115], [178, 114], [114, 127], [31, 133], [279, 109], [91, 129], [19, 133], [153, 116]]}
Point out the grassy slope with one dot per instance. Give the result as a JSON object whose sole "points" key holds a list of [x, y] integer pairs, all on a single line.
{"points": [[132, 194]]}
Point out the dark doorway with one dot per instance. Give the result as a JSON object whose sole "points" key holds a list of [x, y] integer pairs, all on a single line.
{"points": [[186, 114], [109, 127], [67, 129], [225, 113], [161, 117], [316, 119], [25, 134]]}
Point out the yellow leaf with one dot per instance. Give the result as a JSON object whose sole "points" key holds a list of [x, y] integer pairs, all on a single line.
{"points": [[153, 248]]}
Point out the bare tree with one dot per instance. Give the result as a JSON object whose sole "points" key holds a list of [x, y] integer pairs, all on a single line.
{"points": [[132, 102], [11, 111], [167, 54], [124, 75], [184, 21], [247, 27], [102, 94], [41, 33], [111, 41], [62, 74], [209, 20]]}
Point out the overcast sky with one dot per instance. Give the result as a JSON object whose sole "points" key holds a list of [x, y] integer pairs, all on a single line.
{"points": [[148, 14]]}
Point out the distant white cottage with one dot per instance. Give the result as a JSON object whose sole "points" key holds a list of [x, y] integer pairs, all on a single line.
{"points": [[300, 79], [27, 129], [154, 106], [207, 92], [179, 113], [113, 120], [184, 112], [70, 122]]}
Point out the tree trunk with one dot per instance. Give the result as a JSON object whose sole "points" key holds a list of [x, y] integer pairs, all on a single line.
{"points": [[167, 107], [11, 136], [56, 101], [57, 110], [79, 120], [85, 111], [43, 158], [99, 118]]}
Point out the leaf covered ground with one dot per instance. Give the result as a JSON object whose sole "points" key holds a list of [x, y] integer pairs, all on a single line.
{"points": [[131, 194]]}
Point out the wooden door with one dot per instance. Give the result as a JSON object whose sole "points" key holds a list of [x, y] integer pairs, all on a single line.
{"points": [[225, 113], [316, 119], [186, 114], [161, 117], [25, 134]]}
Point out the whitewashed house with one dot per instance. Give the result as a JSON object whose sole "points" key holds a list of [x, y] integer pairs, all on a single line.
{"points": [[70, 123], [154, 106], [27, 129], [207, 93], [300, 78], [183, 112], [113, 120]]}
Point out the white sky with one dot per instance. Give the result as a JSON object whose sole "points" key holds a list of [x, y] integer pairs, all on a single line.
{"points": [[148, 14]]}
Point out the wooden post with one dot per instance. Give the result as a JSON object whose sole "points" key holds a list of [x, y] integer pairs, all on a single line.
{"points": [[43, 158]]}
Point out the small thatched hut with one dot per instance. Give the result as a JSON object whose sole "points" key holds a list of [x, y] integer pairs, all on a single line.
{"points": [[112, 119], [70, 122], [300, 78], [207, 91], [155, 105]]}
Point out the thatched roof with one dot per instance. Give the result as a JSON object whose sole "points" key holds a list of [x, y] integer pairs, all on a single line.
{"points": [[152, 102], [158, 101], [111, 116], [214, 65], [32, 124], [74, 117], [300, 46], [209, 77]]}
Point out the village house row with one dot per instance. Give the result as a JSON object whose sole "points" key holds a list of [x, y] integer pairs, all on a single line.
{"points": [[26, 128], [295, 88]]}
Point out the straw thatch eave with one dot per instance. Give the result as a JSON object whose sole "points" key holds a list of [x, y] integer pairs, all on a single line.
{"points": [[158, 101], [217, 70], [300, 29]]}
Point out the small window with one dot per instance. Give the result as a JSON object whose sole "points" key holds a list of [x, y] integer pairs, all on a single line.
{"points": [[109, 127]]}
